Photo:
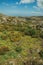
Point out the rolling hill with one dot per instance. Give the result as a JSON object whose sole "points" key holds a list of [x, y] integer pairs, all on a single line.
{"points": [[21, 40]]}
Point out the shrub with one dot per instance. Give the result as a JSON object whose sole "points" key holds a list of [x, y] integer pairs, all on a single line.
{"points": [[3, 50], [30, 32], [41, 34], [41, 53], [18, 49], [4, 37], [38, 27]]}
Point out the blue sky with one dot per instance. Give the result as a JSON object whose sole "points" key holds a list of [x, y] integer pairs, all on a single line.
{"points": [[22, 7]]}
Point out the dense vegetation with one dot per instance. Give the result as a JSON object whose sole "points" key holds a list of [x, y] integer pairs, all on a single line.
{"points": [[21, 40]]}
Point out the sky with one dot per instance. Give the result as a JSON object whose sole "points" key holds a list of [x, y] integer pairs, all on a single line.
{"points": [[22, 7]]}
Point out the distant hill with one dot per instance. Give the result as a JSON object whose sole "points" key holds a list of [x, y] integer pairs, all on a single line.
{"points": [[34, 19]]}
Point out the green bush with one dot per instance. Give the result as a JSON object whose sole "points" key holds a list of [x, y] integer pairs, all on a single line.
{"points": [[30, 32], [18, 49]]}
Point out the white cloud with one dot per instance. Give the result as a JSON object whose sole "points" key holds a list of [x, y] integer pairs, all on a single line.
{"points": [[36, 8], [27, 1], [36, 13], [40, 3]]}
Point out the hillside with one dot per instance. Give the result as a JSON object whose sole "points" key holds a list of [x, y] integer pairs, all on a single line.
{"points": [[21, 40]]}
